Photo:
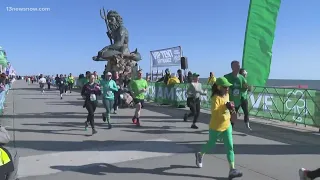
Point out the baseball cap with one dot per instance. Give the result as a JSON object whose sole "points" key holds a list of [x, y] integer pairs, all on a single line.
{"points": [[195, 74], [222, 81], [109, 73]]}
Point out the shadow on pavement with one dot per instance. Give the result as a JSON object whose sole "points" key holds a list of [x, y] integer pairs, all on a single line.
{"points": [[75, 115], [103, 169], [149, 146]]}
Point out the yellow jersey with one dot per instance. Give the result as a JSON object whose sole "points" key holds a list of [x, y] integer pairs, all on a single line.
{"points": [[211, 80], [220, 115], [4, 157]]}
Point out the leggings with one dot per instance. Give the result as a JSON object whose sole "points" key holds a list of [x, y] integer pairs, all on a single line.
{"points": [[91, 108], [195, 109], [313, 174], [108, 104], [245, 109], [70, 86], [227, 139], [117, 100]]}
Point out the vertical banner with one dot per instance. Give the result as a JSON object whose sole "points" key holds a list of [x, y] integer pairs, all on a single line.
{"points": [[166, 57], [257, 50]]}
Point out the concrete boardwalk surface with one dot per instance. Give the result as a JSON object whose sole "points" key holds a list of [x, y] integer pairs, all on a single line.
{"points": [[50, 138]]}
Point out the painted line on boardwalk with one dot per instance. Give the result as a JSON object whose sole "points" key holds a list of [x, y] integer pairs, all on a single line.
{"points": [[45, 164]]}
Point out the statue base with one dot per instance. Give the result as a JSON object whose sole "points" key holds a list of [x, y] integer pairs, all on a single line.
{"points": [[121, 65]]}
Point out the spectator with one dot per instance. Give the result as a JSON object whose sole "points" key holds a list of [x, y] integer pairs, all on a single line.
{"points": [[166, 77], [211, 79], [180, 76]]}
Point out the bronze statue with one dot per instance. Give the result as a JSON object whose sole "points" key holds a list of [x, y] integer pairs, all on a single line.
{"points": [[119, 39]]}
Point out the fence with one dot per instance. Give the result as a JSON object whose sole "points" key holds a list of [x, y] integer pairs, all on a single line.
{"points": [[300, 106]]}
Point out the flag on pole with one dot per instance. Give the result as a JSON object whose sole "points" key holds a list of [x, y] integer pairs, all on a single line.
{"points": [[257, 50]]}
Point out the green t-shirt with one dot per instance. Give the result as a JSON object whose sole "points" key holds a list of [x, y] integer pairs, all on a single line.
{"points": [[236, 89], [136, 87]]}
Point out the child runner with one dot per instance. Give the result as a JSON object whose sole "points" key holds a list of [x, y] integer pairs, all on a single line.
{"points": [[108, 86], [220, 124]]}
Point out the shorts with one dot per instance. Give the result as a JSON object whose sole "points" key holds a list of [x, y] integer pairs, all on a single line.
{"points": [[41, 85], [137, 101]]}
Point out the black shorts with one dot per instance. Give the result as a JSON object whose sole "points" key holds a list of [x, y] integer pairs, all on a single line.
{"points": [[137, 101], [41, 85]]}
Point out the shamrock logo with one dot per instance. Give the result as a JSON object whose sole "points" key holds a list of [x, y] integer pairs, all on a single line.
{"points": [[295, 102]]}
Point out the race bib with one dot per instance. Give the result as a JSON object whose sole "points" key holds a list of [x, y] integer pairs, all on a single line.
{"points": [[108, 93], [93, 97], [236, 92]]}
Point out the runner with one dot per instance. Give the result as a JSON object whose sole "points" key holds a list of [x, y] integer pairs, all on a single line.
{"points": [[238, 85], [42, 82], [89, 92], [56, 79], [66, 86], [244, 99], [308, 175], [70, 82], [220, 124], [61, 84], [194, 93], [117, 99], [108, 86], [138, 87], [49, 81]]}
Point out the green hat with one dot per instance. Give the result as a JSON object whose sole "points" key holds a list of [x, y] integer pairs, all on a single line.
{"points": [[195, 75], [222, 81]]}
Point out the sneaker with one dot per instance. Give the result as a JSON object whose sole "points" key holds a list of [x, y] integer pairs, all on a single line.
{"points": [[94, 131], [193, 126], [134, 120], [185, 117], [234, 173], [104, 118], [86, 125], [248, 126], [137, 122], [199, 159], [61, 97], [302, 174], [114, 112], [109, 126]]}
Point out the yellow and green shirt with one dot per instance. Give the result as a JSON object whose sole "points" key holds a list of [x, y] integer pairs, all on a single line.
{"points": [[220, 115]]}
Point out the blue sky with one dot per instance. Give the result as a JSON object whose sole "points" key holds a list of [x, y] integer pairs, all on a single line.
{"points": [[211, 33]]}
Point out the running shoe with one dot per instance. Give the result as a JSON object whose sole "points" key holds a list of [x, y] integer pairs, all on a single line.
{"points": [[185, 117], [94, 131], [303, 175], [134, 120], [104, 118], [234, 173], [248, 126], [86, 125], [199, 158]]}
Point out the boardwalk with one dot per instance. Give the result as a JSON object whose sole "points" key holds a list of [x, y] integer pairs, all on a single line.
{"points": [[49, 135]]}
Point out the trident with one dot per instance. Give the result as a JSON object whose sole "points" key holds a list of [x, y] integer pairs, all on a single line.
{"points": [[104, 17]]}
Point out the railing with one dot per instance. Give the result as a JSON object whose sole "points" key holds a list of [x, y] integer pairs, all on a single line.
{"points": [[300, 106]]}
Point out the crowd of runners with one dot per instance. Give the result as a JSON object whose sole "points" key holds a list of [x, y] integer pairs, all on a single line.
{"points": [[229, 94]]}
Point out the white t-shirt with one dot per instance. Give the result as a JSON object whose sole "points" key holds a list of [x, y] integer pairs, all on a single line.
{"points": [[42, 80]]}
